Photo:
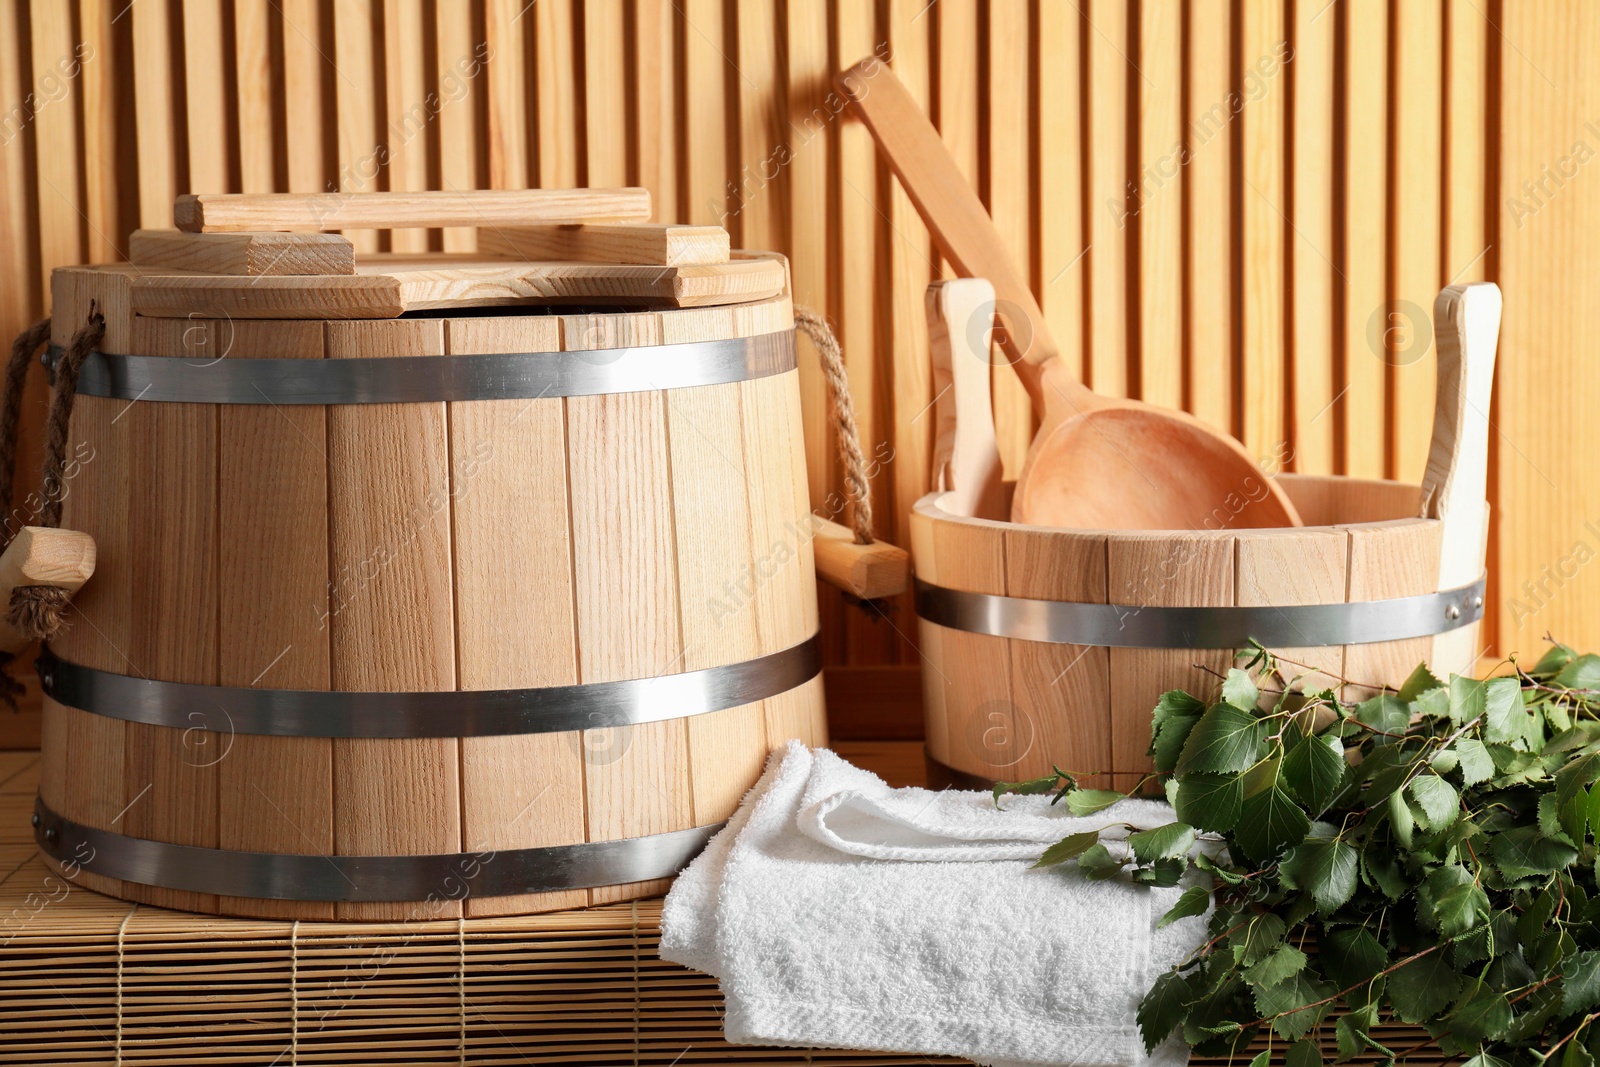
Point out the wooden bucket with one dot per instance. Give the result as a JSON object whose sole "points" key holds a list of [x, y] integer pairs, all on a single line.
{"points": [[474, 641], [1004, 707]]}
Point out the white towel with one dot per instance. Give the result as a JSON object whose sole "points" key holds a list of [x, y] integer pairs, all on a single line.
{"points": [[839, 912]]}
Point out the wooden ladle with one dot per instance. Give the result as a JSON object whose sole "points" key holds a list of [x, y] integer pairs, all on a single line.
{"points": [[1097, 462]]}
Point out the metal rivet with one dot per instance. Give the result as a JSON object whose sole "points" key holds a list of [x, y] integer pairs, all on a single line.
{"points": [[51, 834], [48, 679], [36, 820], [1477, 602], [1453, 611]]}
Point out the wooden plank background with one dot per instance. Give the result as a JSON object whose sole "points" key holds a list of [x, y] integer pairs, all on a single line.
{"points": [[1243, 207]]}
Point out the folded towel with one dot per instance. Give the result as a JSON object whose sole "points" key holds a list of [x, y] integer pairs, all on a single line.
{"points": [[839, 912]]}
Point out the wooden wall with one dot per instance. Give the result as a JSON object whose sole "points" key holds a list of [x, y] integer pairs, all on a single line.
{"points": [[1240, 207]]}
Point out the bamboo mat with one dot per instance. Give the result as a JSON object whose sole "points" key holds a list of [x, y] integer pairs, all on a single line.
{"points": [[86, 979]]}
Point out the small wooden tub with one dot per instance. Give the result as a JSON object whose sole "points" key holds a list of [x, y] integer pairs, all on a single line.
{"points": [[1044, 645], [471, 649]]}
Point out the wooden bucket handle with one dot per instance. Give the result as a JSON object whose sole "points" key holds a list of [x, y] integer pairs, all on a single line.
{"points": [[966, 458]]}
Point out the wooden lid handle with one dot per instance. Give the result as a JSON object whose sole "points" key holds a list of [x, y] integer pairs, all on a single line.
{"points": [[962, 229], [223, 212]]}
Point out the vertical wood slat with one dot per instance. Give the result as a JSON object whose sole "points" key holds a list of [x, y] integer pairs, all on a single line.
{"points": [[556, 82], [275, 794], [391, 624], [507, 79], [655, 127], [605, 129], [97, 60], [1058, 189], [636, 777], [1209, 295], [1366, 152], [705, 111], [514, 607], [1107, 202], [55, 132], [254, 77], [204, 98], [1159, 202], [1006, 124], [1311, 263], [459, 67], [1416, 135], [303, 107], [171, 773], [154, 118], [410, 116], [1261, 226], [356, 106]]}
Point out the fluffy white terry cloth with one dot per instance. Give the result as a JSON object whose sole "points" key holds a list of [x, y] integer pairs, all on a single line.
{"points": [[837, 911]]}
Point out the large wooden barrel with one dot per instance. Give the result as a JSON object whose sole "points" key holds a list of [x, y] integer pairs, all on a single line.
{"points": [[506, 623], [1049, 647]]}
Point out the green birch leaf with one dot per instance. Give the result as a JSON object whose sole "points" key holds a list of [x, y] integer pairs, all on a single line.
{"points": [[1468, 701], [1089, 801], [1240, 690], [1386, 714], [1068, 848], [1581, 673], [1437, 799], [1451, 902], [1350, 1031], [1303, 1053], [1420, 681], [1578, 773], [1269, 822], [1098, 863], [1030, 787], [1556, 657], [1352, 955], [1482, 1014], [1381, 867], [1524, 851], [1504, 713], [1424, 987], [1324, 868], [1401, 821], [1289, 1004], [1175, 715], [1475, 764], [1285, 961], [1210, 801], [1163, 1008], [1315, 768], [1163, 842], [1194, 901], [1580, 982], [1224, 741], [1262, 934]]}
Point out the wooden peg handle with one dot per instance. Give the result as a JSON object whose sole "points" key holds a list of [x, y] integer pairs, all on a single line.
{"points": [[966, 459], [866, 571], [1466, 323], [41, 555], [233, 212]]}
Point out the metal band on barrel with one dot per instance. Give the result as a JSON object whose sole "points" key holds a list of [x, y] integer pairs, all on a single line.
{"points": [[459, 713], [424, 379], [1121, 626], [442, 877]]}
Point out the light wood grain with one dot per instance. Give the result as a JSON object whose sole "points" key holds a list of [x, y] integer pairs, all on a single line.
{"points": [[1261, 225], [251, 254], [514, 607], [710, 497], [171, 773], [626, 590], [1171, 569], [1389, 559], [461, 56], [220, 212], [868, 572], [605, 120], [153, 116], [55, 130], [1305, 566], [391, 625], [275, 794], [409, 110], [253, 74], [645, 243], [966, 459], [1107, 196], [1311, 252], [358, 138], [1007, 194], [557, 92], [1366, 77], [1209, 180], [1064, 690], [302, 94], [204, 96], [706, 72], [1159, 202], [387, 287]]}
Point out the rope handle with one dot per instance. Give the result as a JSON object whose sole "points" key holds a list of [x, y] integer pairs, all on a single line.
{"points": [[843, 411], [37, 611]]}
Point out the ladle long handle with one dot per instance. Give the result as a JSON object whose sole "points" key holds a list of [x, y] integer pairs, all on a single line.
{"points": [[961, 228]]}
